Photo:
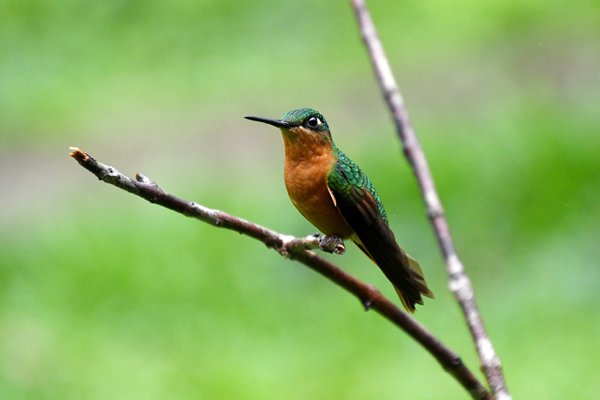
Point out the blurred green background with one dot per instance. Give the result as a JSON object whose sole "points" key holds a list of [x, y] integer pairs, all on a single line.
{"points": [[103, 295]]}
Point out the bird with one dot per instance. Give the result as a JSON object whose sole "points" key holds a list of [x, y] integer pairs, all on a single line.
{"points": [[333, 194]]}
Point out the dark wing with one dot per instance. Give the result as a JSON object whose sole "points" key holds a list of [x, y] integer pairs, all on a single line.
{"points": [[362, 211]]}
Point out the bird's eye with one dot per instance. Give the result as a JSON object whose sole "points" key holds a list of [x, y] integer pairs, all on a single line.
{"points": [[313, 122]]}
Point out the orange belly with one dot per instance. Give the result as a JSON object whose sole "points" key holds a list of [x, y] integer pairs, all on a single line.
{"points": [[306, 184]]}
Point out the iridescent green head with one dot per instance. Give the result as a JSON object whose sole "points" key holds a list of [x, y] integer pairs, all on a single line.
{"points": [[303, 121], [307, 118]]}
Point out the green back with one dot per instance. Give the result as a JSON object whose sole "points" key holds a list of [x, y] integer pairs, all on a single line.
{"points": [[345, 174]]}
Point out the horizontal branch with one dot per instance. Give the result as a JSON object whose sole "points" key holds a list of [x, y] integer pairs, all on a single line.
{"points": [[458, 280], [298, 249]]}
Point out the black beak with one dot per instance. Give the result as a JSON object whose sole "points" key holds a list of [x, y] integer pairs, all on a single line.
{"points": [[275, 122]]}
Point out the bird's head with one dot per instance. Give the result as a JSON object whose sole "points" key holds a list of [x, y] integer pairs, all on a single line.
{"points": [[303, 123]]}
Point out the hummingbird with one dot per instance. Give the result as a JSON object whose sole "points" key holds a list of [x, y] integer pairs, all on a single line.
{"points": [[333, 194]]}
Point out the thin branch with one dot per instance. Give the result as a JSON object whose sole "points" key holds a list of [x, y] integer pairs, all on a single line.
{"points": [[297, 249], [459, 282]]}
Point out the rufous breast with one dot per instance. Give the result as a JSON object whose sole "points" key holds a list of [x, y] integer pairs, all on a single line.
{"points": [[308, 161]]}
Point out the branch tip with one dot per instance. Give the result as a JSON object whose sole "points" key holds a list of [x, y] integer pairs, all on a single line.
{"points": [[78, 154]]}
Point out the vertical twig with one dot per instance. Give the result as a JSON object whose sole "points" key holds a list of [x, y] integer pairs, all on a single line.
{"points": [[459, 282]]}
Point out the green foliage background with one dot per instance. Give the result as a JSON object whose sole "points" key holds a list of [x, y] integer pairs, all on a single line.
{"points": [[105, 296]]}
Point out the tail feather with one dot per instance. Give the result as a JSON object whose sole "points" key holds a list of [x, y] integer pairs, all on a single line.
{"points": [[408, 303], [417, 274], [409, 287]]}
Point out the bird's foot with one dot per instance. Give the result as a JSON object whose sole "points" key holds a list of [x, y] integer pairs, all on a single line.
{"points": [[332, 244]]}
